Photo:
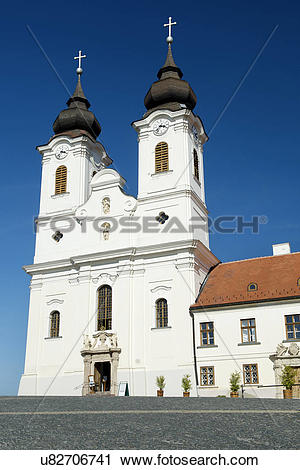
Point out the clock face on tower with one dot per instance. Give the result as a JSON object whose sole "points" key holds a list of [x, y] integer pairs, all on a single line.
{"points": [[160, 126], [62, 151]]}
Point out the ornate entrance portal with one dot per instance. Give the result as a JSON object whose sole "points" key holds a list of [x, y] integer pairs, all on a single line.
{"points": [[286, 356], [101, 358]]}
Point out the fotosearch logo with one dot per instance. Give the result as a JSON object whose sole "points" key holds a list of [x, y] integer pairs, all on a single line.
{"points": [[225, 224]]}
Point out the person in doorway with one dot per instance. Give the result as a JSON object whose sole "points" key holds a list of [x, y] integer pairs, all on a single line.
{"points": [[104, 380]]}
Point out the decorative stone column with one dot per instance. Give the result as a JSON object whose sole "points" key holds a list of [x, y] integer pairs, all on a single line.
{"points": [[87, 360]]}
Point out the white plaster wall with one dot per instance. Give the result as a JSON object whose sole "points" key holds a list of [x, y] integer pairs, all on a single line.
{"points": [[86, 237]]}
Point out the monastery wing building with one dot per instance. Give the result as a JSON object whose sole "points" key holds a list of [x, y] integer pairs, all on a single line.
{"points": [[247, 318], [114, 276]]}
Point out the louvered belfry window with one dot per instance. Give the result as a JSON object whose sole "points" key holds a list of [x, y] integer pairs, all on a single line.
{"points": [[196, 165], [104, 308], [161, 313], [61, 180], [161, 157], [54, 324]]}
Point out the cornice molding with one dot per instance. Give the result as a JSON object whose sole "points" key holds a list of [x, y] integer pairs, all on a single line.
{"points": [[175, 193], [134, 253]]}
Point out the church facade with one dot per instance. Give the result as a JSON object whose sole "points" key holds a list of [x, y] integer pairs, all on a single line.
{"points": [[114, 276], [108, 266]]}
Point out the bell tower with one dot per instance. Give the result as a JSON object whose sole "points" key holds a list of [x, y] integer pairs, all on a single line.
{"points": [[69, 161], [170, 142]]}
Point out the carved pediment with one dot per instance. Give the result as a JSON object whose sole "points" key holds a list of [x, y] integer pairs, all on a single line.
{"points": [[102, 341], [286, 351]]}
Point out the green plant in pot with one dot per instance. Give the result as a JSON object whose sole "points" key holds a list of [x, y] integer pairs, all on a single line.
{"points": [[288, 379], [161, 383], [186, 385], [235, 384]]}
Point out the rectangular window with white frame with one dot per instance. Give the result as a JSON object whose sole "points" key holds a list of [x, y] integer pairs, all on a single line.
{"points": [[207, 336], [207, 376], [248, 330], [292, 327]]}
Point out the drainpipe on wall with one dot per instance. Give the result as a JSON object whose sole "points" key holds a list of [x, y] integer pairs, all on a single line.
{"points": [[193, 324], [194, 350]]}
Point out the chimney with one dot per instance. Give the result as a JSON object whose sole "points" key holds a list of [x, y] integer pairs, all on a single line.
{"points": [[281, 249]]}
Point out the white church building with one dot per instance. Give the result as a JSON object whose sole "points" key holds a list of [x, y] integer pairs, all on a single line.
{"points": [[114, 276]]}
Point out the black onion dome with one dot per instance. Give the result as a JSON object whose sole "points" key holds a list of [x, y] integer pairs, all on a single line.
{"points": [[77, 116], [170, 91]]}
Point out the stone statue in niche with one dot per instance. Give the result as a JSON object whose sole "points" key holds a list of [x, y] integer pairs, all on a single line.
{"points": [[106, 205], [105, 230]]}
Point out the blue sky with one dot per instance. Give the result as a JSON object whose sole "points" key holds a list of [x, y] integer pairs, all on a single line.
{"points": [[251, 160]]}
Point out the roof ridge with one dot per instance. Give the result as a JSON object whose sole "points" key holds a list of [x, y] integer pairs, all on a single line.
{"points": [[260, 257]]}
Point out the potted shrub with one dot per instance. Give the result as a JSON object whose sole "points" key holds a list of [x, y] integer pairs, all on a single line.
{"points": [[186, 384], [161, 383], [235, 380], [288, 380]]}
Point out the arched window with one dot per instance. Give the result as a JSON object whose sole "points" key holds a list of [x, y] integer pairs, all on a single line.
{"points": [[196, 165], [54, 324], [161, 313], [104, 308], [61, 180], [161, 157], [252, 287]]}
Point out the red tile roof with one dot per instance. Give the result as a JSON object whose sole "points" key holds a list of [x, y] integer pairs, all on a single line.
{"points": [[275, 276]]}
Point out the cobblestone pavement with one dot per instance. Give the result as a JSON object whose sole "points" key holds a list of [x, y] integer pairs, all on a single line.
{"points": [[148, 423]]}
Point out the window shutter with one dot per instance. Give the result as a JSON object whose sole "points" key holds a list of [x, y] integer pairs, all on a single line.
{"points": [[61, 180], [196, 165], [161, 157]]}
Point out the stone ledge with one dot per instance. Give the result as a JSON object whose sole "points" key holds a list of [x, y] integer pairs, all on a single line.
{"points": [[53, 337], [292, 340], [163, 328], [54, 196], [206, 387], [161, 173]]}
